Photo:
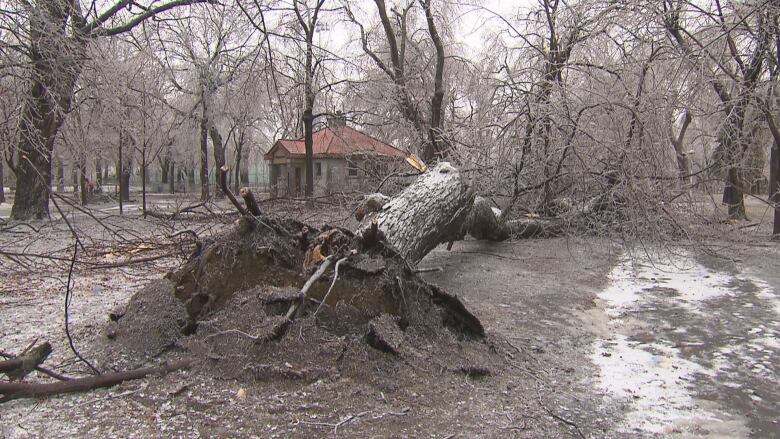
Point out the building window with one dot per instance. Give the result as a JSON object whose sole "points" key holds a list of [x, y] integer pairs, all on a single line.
{"points": [[352, 170], [317, 169]]}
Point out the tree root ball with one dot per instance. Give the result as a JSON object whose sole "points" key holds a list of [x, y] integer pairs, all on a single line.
{"points": [[225, 305]]}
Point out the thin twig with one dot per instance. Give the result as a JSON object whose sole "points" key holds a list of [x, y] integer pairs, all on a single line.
{"points": [[68, 298], [560, 418]]}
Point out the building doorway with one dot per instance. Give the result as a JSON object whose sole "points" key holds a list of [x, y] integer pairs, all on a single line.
{"points": [[298, 174]]}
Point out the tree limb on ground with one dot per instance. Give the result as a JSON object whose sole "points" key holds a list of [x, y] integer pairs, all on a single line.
{"points": [[10, 391]]}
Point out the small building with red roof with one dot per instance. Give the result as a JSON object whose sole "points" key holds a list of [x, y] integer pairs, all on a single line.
{"points": [[345, 159]]}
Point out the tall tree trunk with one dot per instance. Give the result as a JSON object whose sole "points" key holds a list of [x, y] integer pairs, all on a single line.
{"points": [[436, 148], [309, 27], [219, 154], [774, 185], [204, 156], [83, 189], [171, 182], [165, 166], [239, 151], [143, 179], [56, 61], [124, 170], [678, 142], [75, 171], [732, 194], [2, 182], [60, 176], [308, 126], [99, 175], [125, 186], [308, 117]]}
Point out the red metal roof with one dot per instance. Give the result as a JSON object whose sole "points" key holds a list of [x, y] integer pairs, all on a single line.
{"points": [[338, 142]]}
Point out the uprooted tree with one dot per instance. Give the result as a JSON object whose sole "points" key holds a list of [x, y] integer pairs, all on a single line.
{"points": [[244, 294]]}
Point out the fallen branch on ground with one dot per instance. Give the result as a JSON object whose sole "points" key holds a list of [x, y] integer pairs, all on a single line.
{"points": [[19, 367], [10, 391]]}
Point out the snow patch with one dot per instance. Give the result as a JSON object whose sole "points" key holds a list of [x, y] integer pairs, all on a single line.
{"points": [[631, 282], [653, 378]]}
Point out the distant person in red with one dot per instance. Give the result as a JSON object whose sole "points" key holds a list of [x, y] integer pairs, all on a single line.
{"points": [[90, 186]]}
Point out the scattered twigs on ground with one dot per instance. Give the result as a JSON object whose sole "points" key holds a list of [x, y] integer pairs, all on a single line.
{"points": [[559, 417], [13, 226], [336, 425]]}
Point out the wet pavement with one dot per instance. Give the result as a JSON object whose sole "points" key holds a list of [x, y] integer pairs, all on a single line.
{"points": [[690, 351]]}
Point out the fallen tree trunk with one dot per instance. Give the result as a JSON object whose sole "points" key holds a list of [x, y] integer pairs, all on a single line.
{"points": [[11, 391], [427, 213]]}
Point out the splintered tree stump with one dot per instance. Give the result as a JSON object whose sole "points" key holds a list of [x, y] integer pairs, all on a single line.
{"points": [[427, 213]]}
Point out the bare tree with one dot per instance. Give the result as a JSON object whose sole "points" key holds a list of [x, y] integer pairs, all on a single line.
{"points": [[426, 119], [735, 73], [55, 40]]}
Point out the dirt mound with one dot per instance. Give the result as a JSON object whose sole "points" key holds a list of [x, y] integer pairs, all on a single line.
{"points": [[238, 307]]}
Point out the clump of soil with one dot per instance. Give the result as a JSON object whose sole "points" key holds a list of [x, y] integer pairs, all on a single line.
{"points": [[226, 305]]}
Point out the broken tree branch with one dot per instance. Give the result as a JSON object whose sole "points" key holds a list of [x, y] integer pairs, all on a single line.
{"points": [[297, 305], [250, 201], [19, 367], [39, 368], [223, 171], [11, 391]]}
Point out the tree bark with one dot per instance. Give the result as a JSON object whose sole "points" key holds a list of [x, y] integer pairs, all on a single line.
{"points": [[56, 62], [219, 155], [2, 182], [774, 186], [99, 175], [27, 390], [83, 189], [172, 181], [683, 161], [204, 156], [239, 151], [60, 176], [427, 213]]}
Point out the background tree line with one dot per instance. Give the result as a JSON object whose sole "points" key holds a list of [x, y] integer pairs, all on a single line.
{"points": [[552, 103]]}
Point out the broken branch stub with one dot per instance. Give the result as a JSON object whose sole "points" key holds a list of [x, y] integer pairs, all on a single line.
{"points": [[427, 213], [19, 367]]}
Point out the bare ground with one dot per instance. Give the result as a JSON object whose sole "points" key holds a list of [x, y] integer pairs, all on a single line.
{"points": [[549, 327]]}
